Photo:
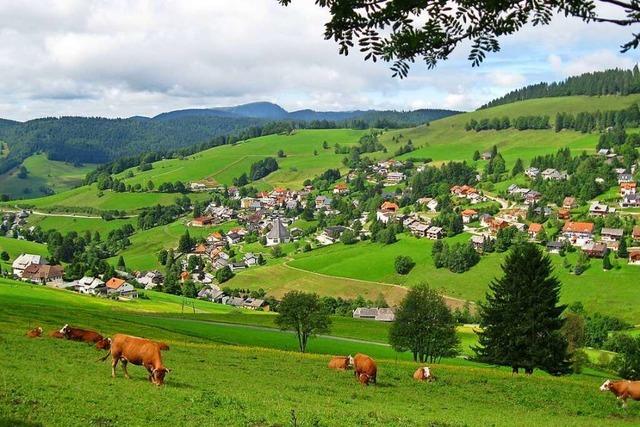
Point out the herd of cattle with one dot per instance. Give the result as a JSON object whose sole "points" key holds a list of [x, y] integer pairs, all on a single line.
{"points": [[147, 353]]}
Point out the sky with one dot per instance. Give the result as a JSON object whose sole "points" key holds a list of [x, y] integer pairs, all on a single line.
{"points": [[116, 58]]}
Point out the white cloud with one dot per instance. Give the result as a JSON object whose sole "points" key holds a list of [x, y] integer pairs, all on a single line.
{"points": [[122, 58]]}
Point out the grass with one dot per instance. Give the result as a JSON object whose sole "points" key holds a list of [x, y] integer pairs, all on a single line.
{"points": [[446, 139], [15, 247], [80, 225], [43, 173], [61, 383]]}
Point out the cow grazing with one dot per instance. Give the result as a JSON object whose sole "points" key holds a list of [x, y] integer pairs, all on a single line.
{"points": [[77, 334], [364, 379], [57, 334], [623, 390], [139, 351], [339, 363], [104, 344], [363, 364], [423, 374], [35, 332]]}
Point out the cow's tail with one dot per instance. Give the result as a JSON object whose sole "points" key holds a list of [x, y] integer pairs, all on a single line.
{"points": [[102, 359]]}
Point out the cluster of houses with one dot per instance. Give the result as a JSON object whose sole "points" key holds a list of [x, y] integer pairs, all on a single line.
{"points": [[389, 171], [12, 223], [528, 196], [547, 174], [469, 193]]}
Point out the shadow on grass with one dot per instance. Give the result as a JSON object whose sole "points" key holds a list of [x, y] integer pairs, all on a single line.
{"points": [[17, 423]]}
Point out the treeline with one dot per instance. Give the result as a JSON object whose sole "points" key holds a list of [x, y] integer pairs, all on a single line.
{"points": [[599, 120], [162, 215], [609, 82], [458, 258], [433, 181], [519, 123], [258, 170]]}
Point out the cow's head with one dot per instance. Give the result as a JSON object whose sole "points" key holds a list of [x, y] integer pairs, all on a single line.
{"points": [[606, 386], [426, 372], [364, 379], [39, 329], [157, 375], [64, 329], [104, 344], [350, 361]]}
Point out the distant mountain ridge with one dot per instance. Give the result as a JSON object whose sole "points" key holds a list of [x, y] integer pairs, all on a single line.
{"points": [[271, 111]]}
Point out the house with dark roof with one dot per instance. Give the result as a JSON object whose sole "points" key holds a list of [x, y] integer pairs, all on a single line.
{"points": [[44, 274]]}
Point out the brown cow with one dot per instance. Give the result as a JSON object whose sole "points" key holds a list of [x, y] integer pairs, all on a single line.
{"points": [[104, 344], [339, 363], [423, 374], [56, 334], [35, 332], [363, 364], [623, 389], [139, 351], [77, 334]]}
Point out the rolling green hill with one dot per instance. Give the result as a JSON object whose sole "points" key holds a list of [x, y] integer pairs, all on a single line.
{"points": [[447, 139], [43, 174], [240, 375]]}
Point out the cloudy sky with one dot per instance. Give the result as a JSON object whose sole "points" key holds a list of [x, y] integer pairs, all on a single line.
{"points": [[124, 58]]}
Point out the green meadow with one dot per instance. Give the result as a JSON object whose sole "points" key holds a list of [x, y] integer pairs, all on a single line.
{"points": [[235, 375], [447, 139], [42, 173], [66, 224]]}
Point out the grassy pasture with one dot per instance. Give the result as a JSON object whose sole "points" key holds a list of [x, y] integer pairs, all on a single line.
{"points": [[446, 139], [58, 176], [66, 224], [62, 383]]}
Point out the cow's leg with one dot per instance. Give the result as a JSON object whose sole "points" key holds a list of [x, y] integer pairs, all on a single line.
{"points": [[114, 363], [124, 368]]}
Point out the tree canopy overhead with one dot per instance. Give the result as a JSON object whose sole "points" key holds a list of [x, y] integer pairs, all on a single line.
{"points": [[399, 31]]}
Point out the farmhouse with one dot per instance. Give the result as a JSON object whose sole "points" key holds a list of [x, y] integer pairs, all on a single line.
{"points": [[419, 229], [630, 201], [625, 177], [532, 172], [564, 213], [323, 202], [393, 178], [341, 188], [635, 234], [611, 234], [435, 233], [627, 188], [532, 197], [595, 250], [43, 274], [487, 155], [119, 287], [387, 212], [553, 174], [554, 247], [468, 215], [578, 233], [278, 233], [634, 256], [23, 261], [598, 209], [91, 286], [535, 229]]}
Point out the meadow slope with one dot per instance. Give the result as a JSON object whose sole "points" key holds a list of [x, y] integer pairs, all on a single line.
{"points": [[213, 383]]}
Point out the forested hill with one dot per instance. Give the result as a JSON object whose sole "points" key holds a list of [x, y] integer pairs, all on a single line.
{"points": [[609, 82], [101, 140]]}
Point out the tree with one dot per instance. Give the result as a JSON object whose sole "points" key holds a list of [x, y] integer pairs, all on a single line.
{"points": [[517, 168], [520, 320], [185, 244], [150, 185], [304, 314], [162, 257], [4, 256], [622, 249], [626, 362], [189, 289], [404, 264], [277, 252], [425, 326], [281, 154], [389, 31], [224, 274], [121, 265], [476, 155], [348, 237], [606, 262]]}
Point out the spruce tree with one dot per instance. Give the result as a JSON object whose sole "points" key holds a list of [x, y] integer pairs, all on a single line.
{"points": [[520, 319], [622, 249]]}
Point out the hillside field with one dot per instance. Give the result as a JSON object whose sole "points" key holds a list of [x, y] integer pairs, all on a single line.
{"points": [[447, 139], [213, 382], [42, 172]]}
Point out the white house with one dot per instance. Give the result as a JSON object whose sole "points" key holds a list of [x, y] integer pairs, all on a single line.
{"points": [[278, 233], [25, 260]]}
